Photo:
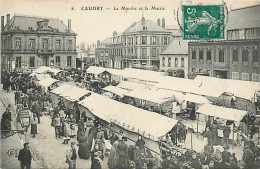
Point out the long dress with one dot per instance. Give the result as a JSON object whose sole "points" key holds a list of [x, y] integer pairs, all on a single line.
{"points": [[122, 150], [34, 122], [113, 156], [83, 145]]}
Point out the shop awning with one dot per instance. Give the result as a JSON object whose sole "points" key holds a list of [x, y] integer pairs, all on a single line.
{"points": [[222, 112], [129, 117], [116, 90], [195, 98], [70, 92]]}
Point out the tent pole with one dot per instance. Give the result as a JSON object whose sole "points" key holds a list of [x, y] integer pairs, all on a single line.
{"points": [[233, 134], [197, 122]]}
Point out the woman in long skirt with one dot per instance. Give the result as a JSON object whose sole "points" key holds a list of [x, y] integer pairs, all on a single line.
{"points": [[34, 122]]}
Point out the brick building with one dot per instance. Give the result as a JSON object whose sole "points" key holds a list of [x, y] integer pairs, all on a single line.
{"points": [[29, 42], [237, 57]]}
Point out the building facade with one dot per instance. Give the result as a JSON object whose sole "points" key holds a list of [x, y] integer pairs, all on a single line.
{"points": [[29, 42], [237, 57], [139, 46], [174, 59]]}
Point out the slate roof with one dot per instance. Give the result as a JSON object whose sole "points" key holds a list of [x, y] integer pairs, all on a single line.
{"points": [[247, 17], [24, 22], [177, 46], [149, 24]]}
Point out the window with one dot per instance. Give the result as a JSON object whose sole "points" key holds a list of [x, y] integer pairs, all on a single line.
{"points": [[255, 77], [58, 44], [169, 62], [255, 55], [153, 53], [165, 40], [32, 61], [18, 62], [70, 45], [245, 55], [57, 60], [153, 40], [201, 55], [193, 70], [235, 75], [45, 44], [193, 55], [245, 76], [163, 61], [69, 61], [176, 62], [136, 40], [144, 40], [221, 56], [208, 54], [144, 53], [182, 62], [235, 55], [18, 43], [31, 43]]}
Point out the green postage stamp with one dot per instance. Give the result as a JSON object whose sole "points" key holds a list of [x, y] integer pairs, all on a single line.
{"points": [[203, 22]]}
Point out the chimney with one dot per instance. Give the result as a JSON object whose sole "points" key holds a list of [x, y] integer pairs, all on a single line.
{"points": [[69, 25], [159, 22], [2, 23], [7, 18], [163, 22]]}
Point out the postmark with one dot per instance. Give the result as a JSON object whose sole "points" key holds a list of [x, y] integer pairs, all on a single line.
{"points": [[203, 21]]}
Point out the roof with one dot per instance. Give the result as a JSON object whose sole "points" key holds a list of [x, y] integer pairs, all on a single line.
{"points": [[250, 15], [176, 47], [70, 92], [46, 69], [24, 22], [195, 98], [131, 118], [127, 85], [239, 88], [149, 24], [47, 82], [96, 70], [107, 41], [222, 112]]}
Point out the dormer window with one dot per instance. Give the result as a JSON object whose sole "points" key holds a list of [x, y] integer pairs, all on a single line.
{"points": [[43, 24]]}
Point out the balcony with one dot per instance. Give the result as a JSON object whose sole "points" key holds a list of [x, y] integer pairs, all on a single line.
{"points": [[45, 51]]}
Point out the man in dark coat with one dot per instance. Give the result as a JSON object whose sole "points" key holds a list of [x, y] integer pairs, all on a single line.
{"points": [[249, 158], [25, 157]]}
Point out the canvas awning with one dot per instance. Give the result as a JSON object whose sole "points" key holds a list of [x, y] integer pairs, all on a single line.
{"points": [[129, 117], [154, 95], [47, 82], [70, 92], [116, 90], [222, 112], [132, 85], [95, 70], [195, 98], [46, 69]]}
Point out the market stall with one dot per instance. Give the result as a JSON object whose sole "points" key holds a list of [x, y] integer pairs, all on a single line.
{"points": [[46, 69], [116, 91], [47, 83], [130, 119]]}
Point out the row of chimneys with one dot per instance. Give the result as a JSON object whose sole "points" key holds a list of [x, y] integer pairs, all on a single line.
{"points": [[8, 18], [161, 22]]}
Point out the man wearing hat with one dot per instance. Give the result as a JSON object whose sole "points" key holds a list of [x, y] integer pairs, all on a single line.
{"points": [[71, 156], [25, 157]]}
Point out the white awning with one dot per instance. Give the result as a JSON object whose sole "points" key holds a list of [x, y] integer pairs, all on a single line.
{"points": [[70, 92], [129, 117], [154, 95], [46, 69], [222, 112], [195, 98], [47, 82], [116, 90], [132, 85]]}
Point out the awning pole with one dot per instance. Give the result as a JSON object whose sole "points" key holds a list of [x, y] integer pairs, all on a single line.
{"points": [[233, 135], [197, 122]]}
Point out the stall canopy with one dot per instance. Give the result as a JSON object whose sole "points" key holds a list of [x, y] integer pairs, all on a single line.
{"points": [[132, 85], [177, 84], [46, 69], [95, 70], [239, 88], [222, 112], [116, 90], [70, 92], [152, 94], [47, 82], [195, 98], [129, 117]]}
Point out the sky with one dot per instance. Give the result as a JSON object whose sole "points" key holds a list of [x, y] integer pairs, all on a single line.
{"points": [[93, 25]]}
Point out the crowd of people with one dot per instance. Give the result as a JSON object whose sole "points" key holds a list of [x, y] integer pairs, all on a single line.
{"points": [[97, 141]]}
